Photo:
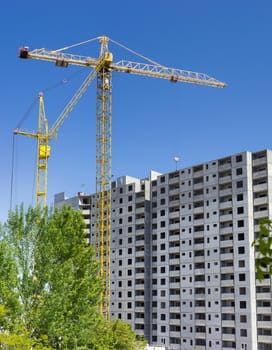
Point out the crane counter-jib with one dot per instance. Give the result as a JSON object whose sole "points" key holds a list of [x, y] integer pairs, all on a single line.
{"points": [[61, 59]]}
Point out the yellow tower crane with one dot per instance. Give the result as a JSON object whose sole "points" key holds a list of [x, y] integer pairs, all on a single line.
{"points": [[103, 67]]}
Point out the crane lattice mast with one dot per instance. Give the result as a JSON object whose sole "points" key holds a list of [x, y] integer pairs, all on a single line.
{"points": [[103, 67], [43, 153]]}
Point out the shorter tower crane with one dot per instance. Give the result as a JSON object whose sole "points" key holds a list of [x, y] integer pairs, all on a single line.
{"points": [[44, 135]]}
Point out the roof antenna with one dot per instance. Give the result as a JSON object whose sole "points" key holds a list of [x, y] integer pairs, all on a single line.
{"points": [[176, 159]]}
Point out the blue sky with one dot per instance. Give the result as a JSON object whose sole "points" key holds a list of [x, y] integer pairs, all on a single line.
{"points": [[153, 120]]}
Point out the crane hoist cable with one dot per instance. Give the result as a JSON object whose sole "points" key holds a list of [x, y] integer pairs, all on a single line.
{"points": [[104, 71]]}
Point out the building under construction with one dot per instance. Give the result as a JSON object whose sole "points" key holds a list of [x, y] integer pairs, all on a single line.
{"points": [[182, 268]]}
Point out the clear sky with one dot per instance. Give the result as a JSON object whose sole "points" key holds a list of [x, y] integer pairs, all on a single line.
{"points": [[153, 120]]}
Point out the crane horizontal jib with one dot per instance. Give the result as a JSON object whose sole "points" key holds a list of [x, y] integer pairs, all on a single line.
{"points": [[144, 69]]}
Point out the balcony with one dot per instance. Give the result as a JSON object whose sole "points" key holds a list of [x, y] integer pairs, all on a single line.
{"points": [[140, 221], [264, 296], [198, 246], [174, 215], [260, 200], [226, 256], [259, 161], [227, 283], [228, 323], [198, 197], [173, 191], [259, 174], [174, 238], [224, 179], [229, 337], [226, 243], [174, 226], [224, 166], [225, 192], [260, 188], [264, 310], [139, 210], [227, 229], [201, 335], [261, 214], [225, 217], [225, 205], [264, 324], [174, 285], [200, 309], [227, 269], [173, 202], [265, 339], [200, 322]]}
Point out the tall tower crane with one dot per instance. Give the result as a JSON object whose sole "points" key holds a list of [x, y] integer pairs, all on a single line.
{"points": [[103, 66]]}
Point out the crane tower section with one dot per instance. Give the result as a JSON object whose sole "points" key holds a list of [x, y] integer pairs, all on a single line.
{"points": [[103, 170]]}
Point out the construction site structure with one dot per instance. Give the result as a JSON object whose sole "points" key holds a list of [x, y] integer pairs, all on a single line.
{"points": [[102, 67]]}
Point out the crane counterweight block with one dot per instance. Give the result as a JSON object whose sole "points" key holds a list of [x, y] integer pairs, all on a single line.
{"points": [[62, 63], [23, 52]]}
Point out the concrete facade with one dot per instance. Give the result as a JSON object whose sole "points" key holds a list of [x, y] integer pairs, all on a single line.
{"points": [[182, 264]]}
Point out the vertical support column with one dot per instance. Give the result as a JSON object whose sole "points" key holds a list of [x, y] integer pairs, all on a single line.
{"points": [[43, 153], [103, 180]]}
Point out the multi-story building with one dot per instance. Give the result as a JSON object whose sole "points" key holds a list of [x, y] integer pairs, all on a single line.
{"points": [[182, 261]]}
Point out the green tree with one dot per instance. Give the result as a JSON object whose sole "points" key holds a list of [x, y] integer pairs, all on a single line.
{"points": [[15, 341], [50, 286], [9, 296], [117, 335], [263, 246], [55, 280]]}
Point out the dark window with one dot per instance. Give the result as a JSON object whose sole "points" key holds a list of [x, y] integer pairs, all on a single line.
{"points": [[239, 171], [241, 263], [243, 304], [242, 277], [240, 223], [241, 250], [240, 197], [240, 210], [239, 158], [162, 190], [239, 184], [241, 236], [243, 332]]}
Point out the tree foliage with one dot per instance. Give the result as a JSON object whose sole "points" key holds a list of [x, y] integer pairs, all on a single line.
{"points": [[117, 335], [50, 287], [263, 245]]}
